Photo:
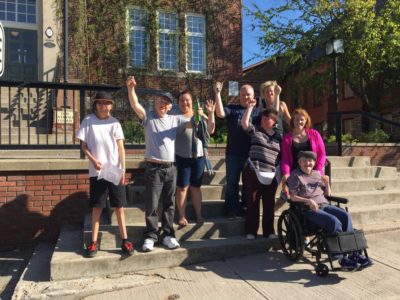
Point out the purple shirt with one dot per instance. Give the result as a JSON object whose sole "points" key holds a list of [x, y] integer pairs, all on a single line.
{"points": [[307, 186]]}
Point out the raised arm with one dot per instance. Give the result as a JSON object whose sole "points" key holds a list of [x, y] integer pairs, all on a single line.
{"points": [[285, 111], [246, 116], [133, 99], [219, 108], [210, 107]]}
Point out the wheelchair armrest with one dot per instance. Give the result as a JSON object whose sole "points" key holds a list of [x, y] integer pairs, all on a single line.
{"points": [[337, 199]]}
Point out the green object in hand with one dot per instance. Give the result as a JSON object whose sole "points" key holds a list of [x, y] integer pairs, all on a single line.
{"points": [[197, 117]]}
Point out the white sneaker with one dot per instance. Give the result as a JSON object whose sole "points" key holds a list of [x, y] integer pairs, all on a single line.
{"points": [[170, 242], [250, 236], [148, 245]]}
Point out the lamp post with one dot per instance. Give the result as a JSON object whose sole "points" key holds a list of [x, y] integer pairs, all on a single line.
{"points": [[334, 47]]}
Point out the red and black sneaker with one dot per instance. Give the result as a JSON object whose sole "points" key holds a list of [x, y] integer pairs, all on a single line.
{"points": [[127, 247], [91, 249]]}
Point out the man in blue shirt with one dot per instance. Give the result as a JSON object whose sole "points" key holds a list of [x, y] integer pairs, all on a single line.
{"points": [[237, 147]]}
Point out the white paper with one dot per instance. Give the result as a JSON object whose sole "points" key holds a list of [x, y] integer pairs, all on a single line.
{"points": [[233, 88], [110, 173]]}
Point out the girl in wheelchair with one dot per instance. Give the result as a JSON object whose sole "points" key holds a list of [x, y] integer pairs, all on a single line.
{"points": [[308, 186]]}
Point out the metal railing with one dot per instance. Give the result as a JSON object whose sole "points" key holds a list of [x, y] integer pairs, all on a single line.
{"points": [[33, 114], [339, 129]]}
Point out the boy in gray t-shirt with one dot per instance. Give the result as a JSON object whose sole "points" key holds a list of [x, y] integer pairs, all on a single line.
{"points": [[160, 133]]}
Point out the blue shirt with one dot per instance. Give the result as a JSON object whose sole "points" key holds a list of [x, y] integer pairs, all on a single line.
{"points": [[238, 140]]}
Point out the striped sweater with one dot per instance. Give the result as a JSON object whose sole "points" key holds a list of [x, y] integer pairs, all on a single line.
{"points": [[264, 149]]}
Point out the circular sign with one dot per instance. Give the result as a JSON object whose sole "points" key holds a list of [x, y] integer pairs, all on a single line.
{"points": [[49, 32]]}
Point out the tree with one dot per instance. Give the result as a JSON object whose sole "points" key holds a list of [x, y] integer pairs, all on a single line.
{"points": [[371, 63]]}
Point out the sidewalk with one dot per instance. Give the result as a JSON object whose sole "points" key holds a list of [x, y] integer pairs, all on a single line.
{"points": [[265, 276]]}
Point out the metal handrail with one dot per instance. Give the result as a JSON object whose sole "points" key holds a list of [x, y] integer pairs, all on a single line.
{"points": [[338, 117]]}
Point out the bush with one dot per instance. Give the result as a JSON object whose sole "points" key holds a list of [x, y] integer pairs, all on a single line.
{"points": [[346, 138], [133, 131], [376, 136]]}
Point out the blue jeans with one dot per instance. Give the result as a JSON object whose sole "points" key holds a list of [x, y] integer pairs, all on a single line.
{"points": [[234, 166], [331, 219]]}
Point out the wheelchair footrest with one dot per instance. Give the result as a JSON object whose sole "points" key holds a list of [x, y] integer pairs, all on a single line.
{"points": [[342, 242]]}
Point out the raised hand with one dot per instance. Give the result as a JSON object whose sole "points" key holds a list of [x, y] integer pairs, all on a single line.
{"points": [[131, 82], [277, 90], [218, 87], [210, 106]]}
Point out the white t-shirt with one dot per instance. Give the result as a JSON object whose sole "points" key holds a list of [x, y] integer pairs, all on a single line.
{"points": [[101, 138]]}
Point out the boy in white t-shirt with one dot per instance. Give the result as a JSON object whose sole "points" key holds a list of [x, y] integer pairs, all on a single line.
{"points": [[103, 142]]}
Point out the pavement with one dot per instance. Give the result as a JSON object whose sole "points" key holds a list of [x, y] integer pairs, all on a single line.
{"points": [[263, 276]]}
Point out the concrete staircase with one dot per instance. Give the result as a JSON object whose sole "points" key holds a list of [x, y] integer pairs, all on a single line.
{"points": [[373, 192]]}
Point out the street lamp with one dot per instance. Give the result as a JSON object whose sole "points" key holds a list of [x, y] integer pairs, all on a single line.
{"points": [[333, 48]]}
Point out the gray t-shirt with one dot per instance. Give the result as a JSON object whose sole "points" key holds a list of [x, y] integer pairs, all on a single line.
{"points": [[307, 186], [160, 135], [184, 141]]}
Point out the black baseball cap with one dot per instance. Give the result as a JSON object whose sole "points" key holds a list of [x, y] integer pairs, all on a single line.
{"points": [[307, 154]]}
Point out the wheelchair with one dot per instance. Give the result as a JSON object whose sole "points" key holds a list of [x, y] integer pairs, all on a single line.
{"points": [[293, 228]]}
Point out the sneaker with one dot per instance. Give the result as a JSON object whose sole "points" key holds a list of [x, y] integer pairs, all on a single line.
{"points": [[361, 259], [91, 249], [348, 264], [127, 247], [271, 236], [250, 236], [148, 245], [170, 242]]}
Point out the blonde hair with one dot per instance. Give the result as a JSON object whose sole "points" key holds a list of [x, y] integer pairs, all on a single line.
{"points": [[267, 84], [304, 113]]}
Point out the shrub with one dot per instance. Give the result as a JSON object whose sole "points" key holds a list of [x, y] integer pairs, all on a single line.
{"points": [[346, 138], [376, 136]]}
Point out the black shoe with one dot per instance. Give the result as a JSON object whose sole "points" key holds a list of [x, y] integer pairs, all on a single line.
{"points": [[232, 216], [91, 249], [127, 247]]}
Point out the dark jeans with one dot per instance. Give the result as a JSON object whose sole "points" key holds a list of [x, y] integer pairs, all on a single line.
{"points": [[160, 186], [331, 218], [256, 191], [234, 166]]}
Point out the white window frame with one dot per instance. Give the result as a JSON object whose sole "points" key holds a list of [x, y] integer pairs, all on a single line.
{"points": [[138, 28], [168, 31], [196, 34], [23, 25]]}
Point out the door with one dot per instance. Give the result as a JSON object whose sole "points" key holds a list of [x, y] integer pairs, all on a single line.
{"points": [[21, 54]]}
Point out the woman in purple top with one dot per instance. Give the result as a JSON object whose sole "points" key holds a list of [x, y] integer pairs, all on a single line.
{"points": [[300, 138]]}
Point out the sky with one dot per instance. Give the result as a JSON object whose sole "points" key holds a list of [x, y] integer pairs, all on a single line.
{"points": [[250, 48]]}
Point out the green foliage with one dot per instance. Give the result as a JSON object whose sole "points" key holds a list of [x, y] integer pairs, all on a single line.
{"points": [[346, 138], [376, 136], [133, 132], [371, 62]]}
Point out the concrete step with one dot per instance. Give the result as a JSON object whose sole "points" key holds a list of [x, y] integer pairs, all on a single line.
{"points": [[212, 228], [375, 213], [369, 184], [210, 209], [368, 198], [363, 172], [68, 261], [136, 193], [349, 161], [219, 177]]}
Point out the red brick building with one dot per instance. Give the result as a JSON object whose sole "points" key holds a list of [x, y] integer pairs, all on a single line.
{"points": [[299, 89]]}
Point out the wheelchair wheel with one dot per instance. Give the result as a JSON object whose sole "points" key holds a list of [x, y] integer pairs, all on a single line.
{"points": [[322, 270], [290, 235]]}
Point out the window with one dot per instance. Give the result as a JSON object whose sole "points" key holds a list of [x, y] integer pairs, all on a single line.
{"points": [[138, 37], [195, 30], [23, 11], [168, 41], [348, 92]]}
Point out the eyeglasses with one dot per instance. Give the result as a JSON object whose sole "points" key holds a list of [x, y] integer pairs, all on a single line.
{"points": [[103, 103]]}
